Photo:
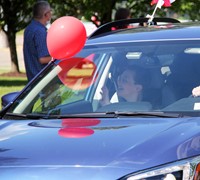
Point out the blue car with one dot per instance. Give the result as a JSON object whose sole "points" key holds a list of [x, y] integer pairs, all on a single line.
{"points": [[125, 107]]}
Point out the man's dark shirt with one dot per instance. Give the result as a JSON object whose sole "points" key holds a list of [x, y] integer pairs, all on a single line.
{"points": [[34, 47]]}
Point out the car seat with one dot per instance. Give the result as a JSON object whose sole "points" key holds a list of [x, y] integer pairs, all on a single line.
{"points": [[152, 93], [185, 75]]}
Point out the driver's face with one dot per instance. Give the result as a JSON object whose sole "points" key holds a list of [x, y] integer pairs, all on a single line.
{"points": [[126, 84]]}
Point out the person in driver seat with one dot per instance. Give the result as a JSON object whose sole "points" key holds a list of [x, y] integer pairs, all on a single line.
{"points": [[130, 86]]}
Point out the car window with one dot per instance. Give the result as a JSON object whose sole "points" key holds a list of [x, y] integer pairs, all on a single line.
{"points": [[169, 70]]}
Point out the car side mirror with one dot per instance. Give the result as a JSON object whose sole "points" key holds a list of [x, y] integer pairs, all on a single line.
{"points": [[7, 98]]}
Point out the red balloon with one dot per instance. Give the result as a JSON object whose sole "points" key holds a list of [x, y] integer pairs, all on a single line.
{"points": [[77, 128], [75, 132], [66, 37], [80, 122]]}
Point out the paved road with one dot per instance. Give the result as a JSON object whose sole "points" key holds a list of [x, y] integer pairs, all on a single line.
{"points": [[5, 59]]}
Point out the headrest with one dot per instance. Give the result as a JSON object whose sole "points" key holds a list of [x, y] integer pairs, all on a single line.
{"points": [[157, 79]]}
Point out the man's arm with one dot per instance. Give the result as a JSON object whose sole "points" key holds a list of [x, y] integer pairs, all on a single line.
{"points": [[45, 60]]}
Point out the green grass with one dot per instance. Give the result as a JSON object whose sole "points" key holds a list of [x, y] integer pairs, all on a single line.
{"points": [[11, 84], [20, 32]]}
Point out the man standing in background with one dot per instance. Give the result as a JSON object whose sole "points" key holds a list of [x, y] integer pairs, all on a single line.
{"points": [[36, 54]]}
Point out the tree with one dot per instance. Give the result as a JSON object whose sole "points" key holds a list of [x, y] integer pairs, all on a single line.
{"points": [[183, 8], [189, 9], [14, 16], [84, 8], [104, 9]]}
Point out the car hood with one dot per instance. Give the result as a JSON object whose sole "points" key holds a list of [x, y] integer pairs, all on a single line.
{"points": [[93, 148]]}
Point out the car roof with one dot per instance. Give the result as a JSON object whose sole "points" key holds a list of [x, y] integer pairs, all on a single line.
{"points": [[166, 31]]}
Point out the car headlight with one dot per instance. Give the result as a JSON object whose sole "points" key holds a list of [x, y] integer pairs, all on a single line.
{"points": [[188, 169]]}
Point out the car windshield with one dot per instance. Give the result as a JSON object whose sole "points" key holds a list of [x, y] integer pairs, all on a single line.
{"points": [[144, 76]]}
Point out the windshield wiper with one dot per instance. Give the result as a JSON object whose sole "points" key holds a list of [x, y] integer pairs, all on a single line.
{"points": [[114, 114], [79, 115], [146, 114], [111, 114], [23, 116], [55, 116]]}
